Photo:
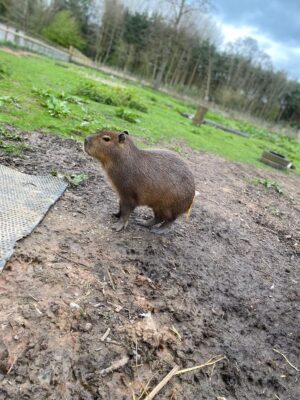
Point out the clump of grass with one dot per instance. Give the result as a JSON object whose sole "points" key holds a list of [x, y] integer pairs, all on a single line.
{"points": [[112, 96], [89, 90], [70, 98], [4, 100], [3, 72], [126, 115], [137, 106], [267, 183]]}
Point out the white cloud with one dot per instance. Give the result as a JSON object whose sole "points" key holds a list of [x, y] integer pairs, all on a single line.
{"points": [[283, 56]]}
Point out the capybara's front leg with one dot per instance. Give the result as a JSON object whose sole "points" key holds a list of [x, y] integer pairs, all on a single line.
{"points": [[126, 209], [118, 214]]}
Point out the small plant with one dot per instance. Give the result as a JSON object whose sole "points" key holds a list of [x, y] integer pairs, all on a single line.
{"points": [[56, 102], [70, 98], [76, 180], [3, 71], [138, 106], [269, 185], [126, 115], [7, 100], [56, 108]]}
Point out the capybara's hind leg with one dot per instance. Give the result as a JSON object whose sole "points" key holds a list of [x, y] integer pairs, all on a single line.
{"points": [[163, 228], [150, 222]]}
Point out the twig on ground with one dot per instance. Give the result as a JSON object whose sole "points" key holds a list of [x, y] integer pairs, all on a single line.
{"points": [[33, 298], [12, 365], [166, 379], [105, 335], [145, 389], [72, 261], [209, 362], [109, 340], [110, 279], [115, 365], [286, 359], [175, 371], [211, 372], [175, 331], [136, 353]]}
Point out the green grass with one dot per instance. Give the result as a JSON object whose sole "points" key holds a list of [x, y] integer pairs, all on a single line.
{"points": [[73, 101]]}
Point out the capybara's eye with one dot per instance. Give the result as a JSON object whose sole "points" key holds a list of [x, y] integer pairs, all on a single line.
{"points": [[106, 138]]}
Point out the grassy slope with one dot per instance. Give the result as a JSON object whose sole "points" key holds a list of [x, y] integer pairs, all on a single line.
{"points": [[162, 121]]}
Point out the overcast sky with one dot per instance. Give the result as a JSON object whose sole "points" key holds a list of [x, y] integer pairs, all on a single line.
{"points": [[275, 24]]}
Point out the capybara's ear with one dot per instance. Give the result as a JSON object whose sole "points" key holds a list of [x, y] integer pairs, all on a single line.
{"points": [[126, 132], [122, 137]]}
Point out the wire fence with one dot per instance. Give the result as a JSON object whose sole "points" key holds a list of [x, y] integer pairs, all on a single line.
{"points": [[9, 34]]}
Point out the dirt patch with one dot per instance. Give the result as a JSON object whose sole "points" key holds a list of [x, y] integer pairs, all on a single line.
{"points": [[78, 298]]}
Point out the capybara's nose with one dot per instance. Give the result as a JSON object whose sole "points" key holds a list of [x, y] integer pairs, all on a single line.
{"points": [[87, 140]]}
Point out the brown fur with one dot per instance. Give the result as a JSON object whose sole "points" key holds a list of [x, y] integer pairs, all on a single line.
{"points": [[155, 178]]}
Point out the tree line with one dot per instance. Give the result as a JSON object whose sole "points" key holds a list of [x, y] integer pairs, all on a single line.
{"points": [[171, 43]]}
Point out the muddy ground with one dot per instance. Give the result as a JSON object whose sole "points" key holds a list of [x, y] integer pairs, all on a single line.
{"points": [[225, 283]]}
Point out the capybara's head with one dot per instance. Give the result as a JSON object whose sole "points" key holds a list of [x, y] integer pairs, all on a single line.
{"points": [[105, 145]]}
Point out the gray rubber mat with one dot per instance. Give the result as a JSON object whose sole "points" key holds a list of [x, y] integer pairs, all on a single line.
{"points": [[24, 201]]}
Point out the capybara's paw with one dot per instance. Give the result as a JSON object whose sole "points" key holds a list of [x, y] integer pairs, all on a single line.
{"points": [[119, 226]]}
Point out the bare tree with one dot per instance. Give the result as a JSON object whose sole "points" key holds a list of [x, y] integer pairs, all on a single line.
{"points": [[182, 8]]}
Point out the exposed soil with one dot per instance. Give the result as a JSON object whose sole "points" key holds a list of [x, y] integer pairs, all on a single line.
{"points": [[227, 281]]}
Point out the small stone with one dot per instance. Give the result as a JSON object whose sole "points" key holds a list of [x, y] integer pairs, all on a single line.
{"points": [[74, 306], [87, 327]]}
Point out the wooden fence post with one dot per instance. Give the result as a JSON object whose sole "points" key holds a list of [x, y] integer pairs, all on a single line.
{"points": [[199, 116]]}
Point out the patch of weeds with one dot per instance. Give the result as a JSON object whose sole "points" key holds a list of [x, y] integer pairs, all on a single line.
{"points": [[70, 98], [137, 106], [89, 90], [111, 127], [4, 100], [76, 180], [3, 72], [56, 108], [111, 96], [10, 136], [11, 143], [178, 149], [276, 212], [267, 183], [126, 115], [56, 103], [13, 149], [45, 93]]}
